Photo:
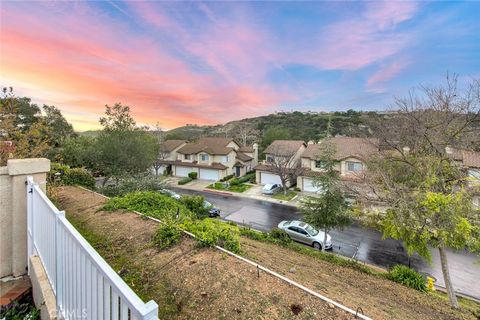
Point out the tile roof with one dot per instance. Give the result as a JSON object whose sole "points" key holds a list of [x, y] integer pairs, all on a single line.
{"points": [[195, 164], [248, 149], [284, 147], [243, 157], [345, 147], [209, 147], [170, 145]]}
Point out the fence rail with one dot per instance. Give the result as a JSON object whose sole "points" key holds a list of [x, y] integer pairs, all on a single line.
{"points": [[85, 286]]}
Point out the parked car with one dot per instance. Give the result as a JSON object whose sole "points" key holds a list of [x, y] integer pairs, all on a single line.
{"points": [[271, 188], [170, 193], [212, 210], [305, 233]]}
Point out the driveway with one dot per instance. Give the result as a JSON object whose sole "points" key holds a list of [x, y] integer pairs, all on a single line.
{"points": [[355, 241]]}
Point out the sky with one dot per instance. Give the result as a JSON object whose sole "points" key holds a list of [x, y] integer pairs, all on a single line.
{"points": [[199, 62]]}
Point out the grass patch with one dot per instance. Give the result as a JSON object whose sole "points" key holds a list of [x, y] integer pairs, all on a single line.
{"points": [[285, 197], [233, 188]]}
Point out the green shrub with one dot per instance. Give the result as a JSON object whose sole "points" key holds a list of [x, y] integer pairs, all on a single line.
{"points": [[234, 182], [253, 234], [141, 182], [248, 177], [226, 178], [152, 204], [193, 175], [297, 189], [195, 204], [280, 235], [166, 236], [184, 180], [57, 170], [79, 176], [211, 232], [408, 277]]}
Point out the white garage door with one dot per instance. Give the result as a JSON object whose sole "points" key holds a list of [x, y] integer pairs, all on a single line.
{"points": [[308, 185], [209, 174], [266, 178], [183, 171]]}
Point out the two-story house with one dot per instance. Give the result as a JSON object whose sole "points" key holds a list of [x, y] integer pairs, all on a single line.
{"points": [[351, 154], [281, 156], [212, 158]]}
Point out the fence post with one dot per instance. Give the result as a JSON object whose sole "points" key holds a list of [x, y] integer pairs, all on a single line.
{"points": [[59, 276], [151, 311], [30, 215]]}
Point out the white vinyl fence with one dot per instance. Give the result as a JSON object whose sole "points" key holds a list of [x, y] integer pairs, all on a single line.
{"points": [[85, 286]]}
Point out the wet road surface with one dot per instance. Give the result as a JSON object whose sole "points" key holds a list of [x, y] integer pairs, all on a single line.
{"points": [[355, 241]]}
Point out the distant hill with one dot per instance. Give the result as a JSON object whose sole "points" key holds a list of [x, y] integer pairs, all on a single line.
{"points": [[89, 133], [301, 125]]}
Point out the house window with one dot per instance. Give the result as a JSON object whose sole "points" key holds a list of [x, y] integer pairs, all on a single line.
{"points": [[354, 166], [204, 157], [224, 159], [186, 157], [319, 164], [270, 159]]}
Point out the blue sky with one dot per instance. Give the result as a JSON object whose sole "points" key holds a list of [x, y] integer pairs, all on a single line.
{"points": [[212, 62]]}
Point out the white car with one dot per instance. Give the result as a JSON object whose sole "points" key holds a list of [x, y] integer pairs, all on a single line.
{"points": [[305, 233], [270, 188]]}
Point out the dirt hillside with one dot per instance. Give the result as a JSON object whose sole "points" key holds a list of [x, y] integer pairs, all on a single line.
{"points": [[193, 283]]}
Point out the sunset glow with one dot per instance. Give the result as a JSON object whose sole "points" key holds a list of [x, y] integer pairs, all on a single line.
{"points": [[212, 62]]}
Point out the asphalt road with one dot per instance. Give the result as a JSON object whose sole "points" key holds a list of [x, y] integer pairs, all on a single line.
{"points": [[355, 241]]}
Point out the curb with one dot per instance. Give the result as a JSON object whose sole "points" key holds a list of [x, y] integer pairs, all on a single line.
{"points": [[217, 192]]}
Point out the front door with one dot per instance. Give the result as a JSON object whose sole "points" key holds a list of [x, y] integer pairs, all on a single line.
{"points": [[237, 171]]}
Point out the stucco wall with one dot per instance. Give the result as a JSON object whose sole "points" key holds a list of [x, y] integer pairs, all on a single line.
{"points": [[13, 212]]}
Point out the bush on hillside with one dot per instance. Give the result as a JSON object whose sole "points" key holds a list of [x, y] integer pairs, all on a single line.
{"points": [[408, 277], [193, 175], [152, 204], [211, 232], [61, 174], [280, 236], [166, 236], [196, 205], [141, 182], [79, 176]]}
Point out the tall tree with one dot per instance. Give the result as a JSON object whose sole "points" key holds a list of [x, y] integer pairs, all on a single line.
{"points": [[328, 209], [246, 133], [123, 149], [117, 117], [25, 132], [417, 177], [274, 133], [284, 162]]}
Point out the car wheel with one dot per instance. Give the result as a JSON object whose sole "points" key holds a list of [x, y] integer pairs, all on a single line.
{"points": [[317, 246]]}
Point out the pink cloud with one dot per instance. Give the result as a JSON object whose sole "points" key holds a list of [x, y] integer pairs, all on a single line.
{"points": [[357, 42], [82, 56], [376, 82]]}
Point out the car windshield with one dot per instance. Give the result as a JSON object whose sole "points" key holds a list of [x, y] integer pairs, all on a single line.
{"points": [[268, 186], [311, 230]]}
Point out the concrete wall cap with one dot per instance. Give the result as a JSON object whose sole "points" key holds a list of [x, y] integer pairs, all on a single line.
{"points": [[28, 166], [4, 170]]}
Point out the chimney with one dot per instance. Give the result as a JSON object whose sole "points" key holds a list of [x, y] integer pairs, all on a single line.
{"points": [[255, 154]]}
